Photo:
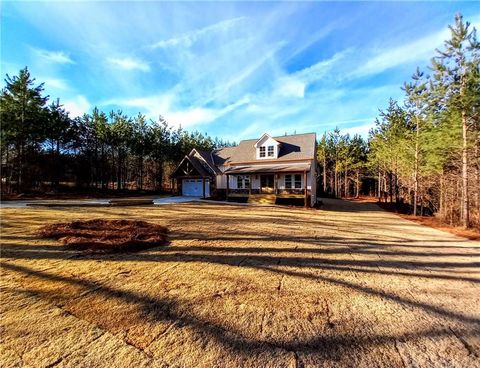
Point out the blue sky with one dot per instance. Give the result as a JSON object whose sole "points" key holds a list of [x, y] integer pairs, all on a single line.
{"points": [[233, 70]]}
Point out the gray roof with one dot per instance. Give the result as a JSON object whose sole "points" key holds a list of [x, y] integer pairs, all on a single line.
{"points": [[223, 155], [208, 157], [292, 147]]}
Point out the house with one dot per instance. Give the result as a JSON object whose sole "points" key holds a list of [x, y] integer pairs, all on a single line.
{"points": [[257, 170]]}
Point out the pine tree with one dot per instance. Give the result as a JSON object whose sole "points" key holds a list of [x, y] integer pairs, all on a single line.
{"points": [[456, 67], [417, 104], [57, 133], [23, 116], [322, 158]]}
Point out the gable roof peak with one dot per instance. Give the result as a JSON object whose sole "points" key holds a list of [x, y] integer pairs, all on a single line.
{"points": [[265, 135], [205, 156]]}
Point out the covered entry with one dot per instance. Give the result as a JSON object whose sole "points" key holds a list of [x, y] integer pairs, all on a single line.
{"points": [[192, 178], [267, 183]]}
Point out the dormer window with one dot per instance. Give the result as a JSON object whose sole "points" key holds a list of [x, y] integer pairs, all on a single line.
{"points": [[271, 151], [267, 148]]}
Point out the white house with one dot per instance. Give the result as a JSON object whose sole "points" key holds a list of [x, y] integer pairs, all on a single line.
{"points": [[268, 167]]}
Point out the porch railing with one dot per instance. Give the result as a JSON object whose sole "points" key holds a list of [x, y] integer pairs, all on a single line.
{"points": [[258, 191], [291, 191], [244, 191]]}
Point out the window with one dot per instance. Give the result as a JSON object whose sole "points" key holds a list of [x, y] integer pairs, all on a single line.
{"points": [[288, 181], [243, 182], [270, 151], [262, 151], [298, 181]]}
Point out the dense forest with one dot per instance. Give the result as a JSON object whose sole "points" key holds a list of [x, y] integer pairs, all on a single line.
{"points": [[44, 150], [424, 152]]}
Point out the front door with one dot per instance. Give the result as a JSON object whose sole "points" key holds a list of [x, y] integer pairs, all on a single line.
{"points": [[266, 183]]}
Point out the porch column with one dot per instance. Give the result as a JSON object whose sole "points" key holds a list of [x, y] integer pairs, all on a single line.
{"points": [[228, 184], [203, 187], [305, 186], [250, 185], [275, 183]]}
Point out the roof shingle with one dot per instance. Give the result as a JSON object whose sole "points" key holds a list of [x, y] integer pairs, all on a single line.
{"points": [[292, 147]]}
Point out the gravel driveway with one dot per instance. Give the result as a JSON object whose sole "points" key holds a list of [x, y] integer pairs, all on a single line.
{"points": [[238, 286]]}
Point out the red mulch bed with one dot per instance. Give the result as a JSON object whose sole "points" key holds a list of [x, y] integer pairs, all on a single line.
{"points": [[107, 236]]}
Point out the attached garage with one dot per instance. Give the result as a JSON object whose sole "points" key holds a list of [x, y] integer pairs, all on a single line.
{"points": [[194, 176], [194, 187]]}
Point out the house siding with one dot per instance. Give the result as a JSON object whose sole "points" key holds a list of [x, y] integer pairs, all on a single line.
{"points": [[255, 181], [221, 181]]}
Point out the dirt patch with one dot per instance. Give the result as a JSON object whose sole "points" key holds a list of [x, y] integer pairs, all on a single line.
{"points": [[107, 236]]}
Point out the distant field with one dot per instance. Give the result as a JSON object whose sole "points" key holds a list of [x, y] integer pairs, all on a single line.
{"points": [[345, 286]]}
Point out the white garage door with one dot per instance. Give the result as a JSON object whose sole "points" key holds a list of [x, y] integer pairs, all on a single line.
{"points": [[193, 188]]}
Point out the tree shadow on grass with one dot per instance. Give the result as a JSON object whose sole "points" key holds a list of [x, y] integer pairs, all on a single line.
{"points": [[319, 256], [329, 346], [302, 258]]}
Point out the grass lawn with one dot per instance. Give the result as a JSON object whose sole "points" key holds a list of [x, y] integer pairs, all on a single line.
{"points": [[346, 286]]}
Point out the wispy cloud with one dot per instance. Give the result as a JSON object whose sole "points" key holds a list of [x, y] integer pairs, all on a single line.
{"points": [[319, 70], [55, 83], [195, 116], [77, 106], [189, 38], [128, 63], [152, 106], [416, 51], [59, 57], [362, 130], [245, 71], [290, 87], [314, 38], [165, 105], [294, 84]]}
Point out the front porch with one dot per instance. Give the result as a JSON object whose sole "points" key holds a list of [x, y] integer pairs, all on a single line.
{"points": [[268, 187]]}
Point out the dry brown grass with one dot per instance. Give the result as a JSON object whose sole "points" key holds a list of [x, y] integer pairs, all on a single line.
{"points": [[348, 285], [106, 236], [430, 221], [472, 234]]}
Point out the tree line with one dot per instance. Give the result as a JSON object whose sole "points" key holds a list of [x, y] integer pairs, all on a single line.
{"points": [[424, 151], [44, 149], [343, 161]]}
